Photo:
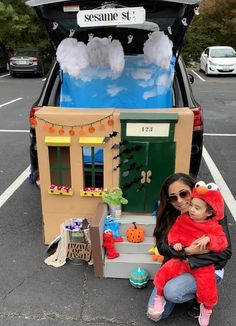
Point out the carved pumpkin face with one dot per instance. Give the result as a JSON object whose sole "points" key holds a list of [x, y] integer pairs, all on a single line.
{"points": [[135, 233]]}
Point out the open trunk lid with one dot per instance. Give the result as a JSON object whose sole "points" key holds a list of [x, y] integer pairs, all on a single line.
{"points": [[173, 17]]}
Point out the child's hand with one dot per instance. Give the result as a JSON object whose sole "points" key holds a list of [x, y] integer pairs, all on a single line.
{"points": [[178, 246], [202, 242]]}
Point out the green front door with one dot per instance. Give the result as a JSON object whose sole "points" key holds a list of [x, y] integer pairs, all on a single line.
{"points": [[144, 166]]}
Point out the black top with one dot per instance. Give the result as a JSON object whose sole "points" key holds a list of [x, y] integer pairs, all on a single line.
{"points": [[219, 259]]}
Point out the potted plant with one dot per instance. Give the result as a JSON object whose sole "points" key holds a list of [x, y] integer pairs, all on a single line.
{"points": [[114, 198]]}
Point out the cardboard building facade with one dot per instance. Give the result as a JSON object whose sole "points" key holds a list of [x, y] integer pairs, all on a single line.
{"points": [[82, 152]]}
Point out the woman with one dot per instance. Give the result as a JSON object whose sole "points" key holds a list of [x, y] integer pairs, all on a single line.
{"points": [[175, 198]]}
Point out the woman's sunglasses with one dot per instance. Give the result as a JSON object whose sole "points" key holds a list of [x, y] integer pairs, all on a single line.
{"points": [[182, 194]]}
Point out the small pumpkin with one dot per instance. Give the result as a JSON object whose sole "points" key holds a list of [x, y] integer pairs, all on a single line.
{"points": [[135, 233], [138, 277]]}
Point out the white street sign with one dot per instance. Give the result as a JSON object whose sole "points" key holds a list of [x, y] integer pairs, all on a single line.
{"points": [[111, 16]]}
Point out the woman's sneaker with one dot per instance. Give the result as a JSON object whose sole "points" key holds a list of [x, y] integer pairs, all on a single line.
{"points": [[157, 309], [194, 310], [205, 315]]}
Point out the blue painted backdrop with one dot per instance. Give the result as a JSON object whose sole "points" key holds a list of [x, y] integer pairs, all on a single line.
{"points": [[140, 85]]}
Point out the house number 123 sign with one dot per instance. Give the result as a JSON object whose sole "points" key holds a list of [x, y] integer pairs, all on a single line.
{"points": [[111, 16], [147, 129]]}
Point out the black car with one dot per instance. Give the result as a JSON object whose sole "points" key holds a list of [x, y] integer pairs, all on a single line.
{"points": [[28, 61], [172, 17]]}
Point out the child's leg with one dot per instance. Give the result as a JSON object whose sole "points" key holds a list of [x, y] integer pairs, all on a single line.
{"points": [[169, 270], [206, 286], [206, 292]]}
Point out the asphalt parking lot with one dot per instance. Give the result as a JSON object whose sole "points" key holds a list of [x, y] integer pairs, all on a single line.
{"points": [[33, 293]]}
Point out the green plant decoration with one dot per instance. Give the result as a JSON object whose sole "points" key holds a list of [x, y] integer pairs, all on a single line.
{"points": [[114, 197]]}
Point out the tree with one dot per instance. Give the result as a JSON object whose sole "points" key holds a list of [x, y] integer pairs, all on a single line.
{"points": [[20, 27]]}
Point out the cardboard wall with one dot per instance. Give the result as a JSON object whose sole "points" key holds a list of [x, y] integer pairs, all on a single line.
{"points": [[58, 208]]}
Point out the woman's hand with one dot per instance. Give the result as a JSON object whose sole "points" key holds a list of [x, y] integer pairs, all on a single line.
{"points": [[196, 247]]}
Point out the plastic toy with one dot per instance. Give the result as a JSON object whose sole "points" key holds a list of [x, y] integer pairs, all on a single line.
{"points": [[114, 226], [155, 254], [135, 233], [109, 245], [138, 277]]}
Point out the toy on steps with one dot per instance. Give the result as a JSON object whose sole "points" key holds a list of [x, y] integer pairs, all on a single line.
{"points": [[109, 245], [135, 233], [155, 254], [138, 277], [114, 226]]}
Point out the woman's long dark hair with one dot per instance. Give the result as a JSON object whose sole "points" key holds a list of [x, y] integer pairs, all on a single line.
{"points": [[167, 214]]}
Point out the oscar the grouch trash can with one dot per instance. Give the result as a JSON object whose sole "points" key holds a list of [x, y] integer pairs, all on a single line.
{"points": [[114, 198]]}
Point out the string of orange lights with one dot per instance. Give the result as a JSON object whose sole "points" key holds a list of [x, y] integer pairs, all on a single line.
{"points": [[50, 126]]}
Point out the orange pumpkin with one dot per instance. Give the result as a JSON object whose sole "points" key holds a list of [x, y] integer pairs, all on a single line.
{"points": [[135, 233]]}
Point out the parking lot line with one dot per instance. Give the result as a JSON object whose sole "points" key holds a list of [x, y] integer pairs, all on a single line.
{"points": [[4, 130], [218, 179], [194, 72], [14, 186], [17, 99], [4, 75], [221, 135]]}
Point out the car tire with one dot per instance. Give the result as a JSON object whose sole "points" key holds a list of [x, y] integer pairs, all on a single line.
{"points": [[206, 70], [12, 74]]}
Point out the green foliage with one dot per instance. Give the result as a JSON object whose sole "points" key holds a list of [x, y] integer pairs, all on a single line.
{"points": [[216, 25], [20, 26], [114, 197]]}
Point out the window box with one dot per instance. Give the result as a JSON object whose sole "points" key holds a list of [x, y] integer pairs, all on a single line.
{"points": [[60, 190]]}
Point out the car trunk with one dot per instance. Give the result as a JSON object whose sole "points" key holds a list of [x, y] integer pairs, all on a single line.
{"points": [[172, 17]]}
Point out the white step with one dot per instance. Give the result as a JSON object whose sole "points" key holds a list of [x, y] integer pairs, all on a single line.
{"points": [[134, 248], [121, 266]]}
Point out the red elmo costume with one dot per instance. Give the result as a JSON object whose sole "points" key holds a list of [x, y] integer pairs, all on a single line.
{"points": [[185, 231], [108, 244]]}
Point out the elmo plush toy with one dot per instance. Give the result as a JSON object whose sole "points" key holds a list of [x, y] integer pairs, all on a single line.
{"points": [[109, 245]]}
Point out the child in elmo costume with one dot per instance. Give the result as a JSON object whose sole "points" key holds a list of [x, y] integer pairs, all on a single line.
{"points": [[206, 209]]}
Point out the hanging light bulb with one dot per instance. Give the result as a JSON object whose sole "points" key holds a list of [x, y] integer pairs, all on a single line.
{"points": [[101, 126], [61, 131], [33, 121], [91, 129], [71, 132], [82, 132], [110, 122], [51, 129], [45, 127]]}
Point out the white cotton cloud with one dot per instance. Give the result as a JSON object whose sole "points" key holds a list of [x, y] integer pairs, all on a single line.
{"points": [[116, 57], [98, 51], [158, 49], [72, 56]]}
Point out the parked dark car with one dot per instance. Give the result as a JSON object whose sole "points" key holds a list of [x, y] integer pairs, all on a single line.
{"points": [[27, 60], [4, 60], [172, 17]]}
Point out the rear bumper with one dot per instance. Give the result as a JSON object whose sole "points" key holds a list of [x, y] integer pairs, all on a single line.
{"points": [[24, 69]]}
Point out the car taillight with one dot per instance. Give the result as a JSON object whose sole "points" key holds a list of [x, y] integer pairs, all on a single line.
{"points": [[197, 119], [31, 116]]}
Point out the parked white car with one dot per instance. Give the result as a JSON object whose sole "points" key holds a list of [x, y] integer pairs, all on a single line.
{"points": [[217, 60]]}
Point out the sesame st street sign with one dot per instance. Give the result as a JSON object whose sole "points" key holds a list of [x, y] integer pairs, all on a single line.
{"points": [[111, 16]]}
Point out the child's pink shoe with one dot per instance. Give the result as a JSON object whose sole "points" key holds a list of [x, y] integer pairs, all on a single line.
{"points": [[157, 309], [205, 315]]}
